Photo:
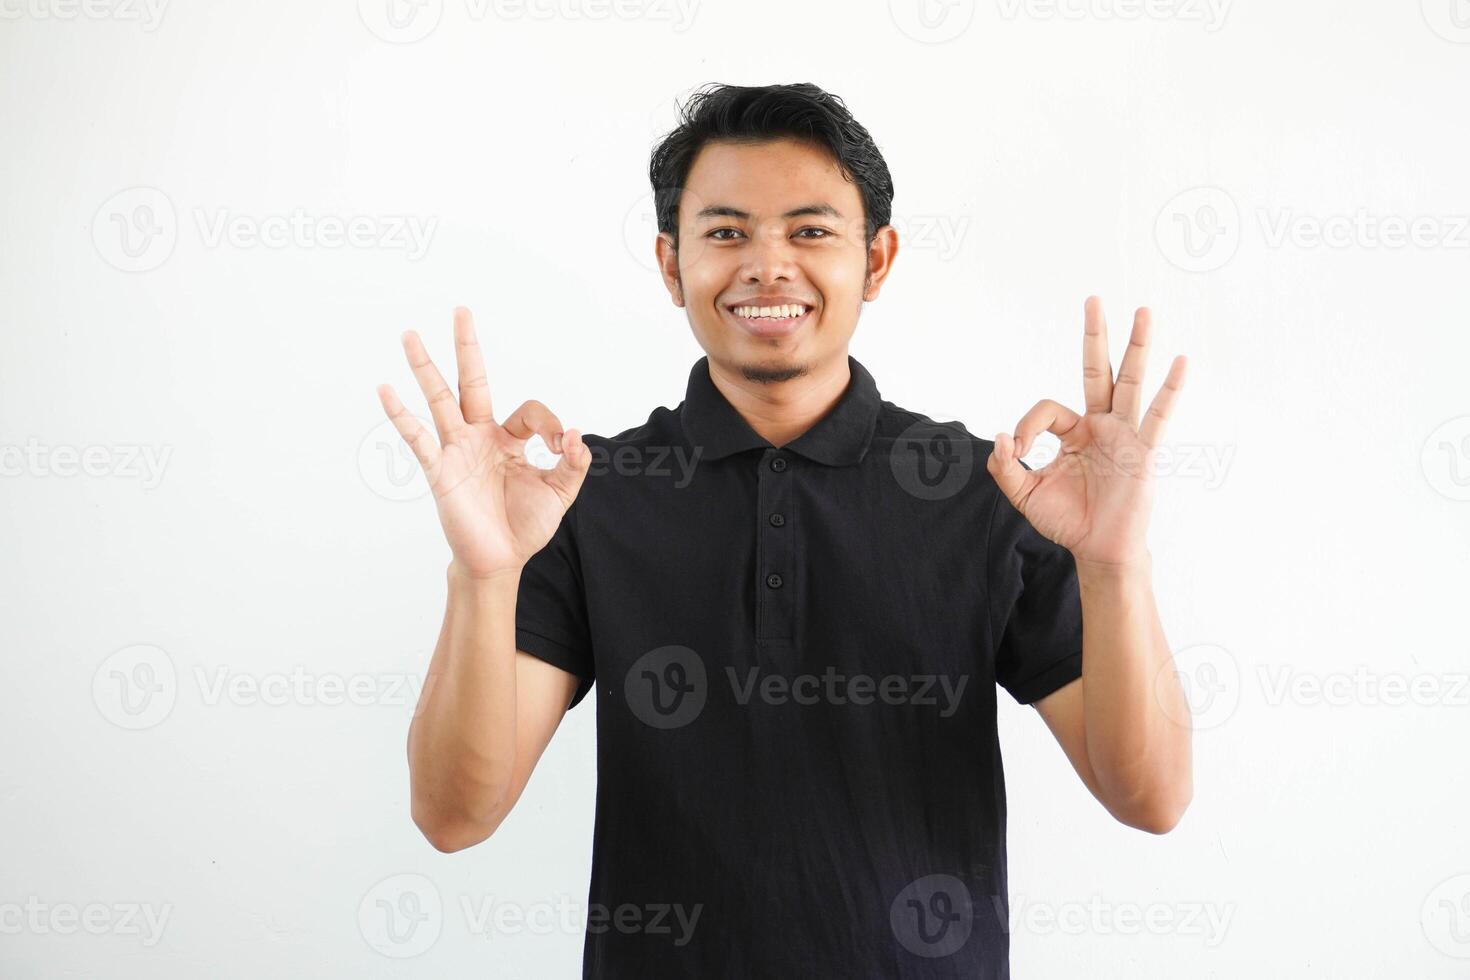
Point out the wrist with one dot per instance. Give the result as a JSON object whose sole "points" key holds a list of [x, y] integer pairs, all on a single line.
{"points": [[1132, 570], [502, 578]]}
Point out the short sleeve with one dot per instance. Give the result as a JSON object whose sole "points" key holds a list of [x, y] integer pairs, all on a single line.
{"points": [[1036, 603], [551, 608]]}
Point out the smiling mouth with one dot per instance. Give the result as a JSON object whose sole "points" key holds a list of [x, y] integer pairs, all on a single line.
{"points": [[770, 321]]}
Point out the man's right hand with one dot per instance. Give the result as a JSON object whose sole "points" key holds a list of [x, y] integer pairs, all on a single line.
{"points": [[497, 508]]}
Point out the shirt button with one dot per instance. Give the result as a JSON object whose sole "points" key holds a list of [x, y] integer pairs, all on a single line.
{"points": [[779, 464], [773, 580], [778, 520]]}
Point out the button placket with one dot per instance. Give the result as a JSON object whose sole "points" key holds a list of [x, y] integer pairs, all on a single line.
{"points": [[776, 574]]}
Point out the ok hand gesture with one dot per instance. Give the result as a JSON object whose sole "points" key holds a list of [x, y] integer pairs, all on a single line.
{"points": [[497, 508], [1094, 498]]}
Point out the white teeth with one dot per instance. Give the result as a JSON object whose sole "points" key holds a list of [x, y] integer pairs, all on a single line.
{"points": [[774, 312]]}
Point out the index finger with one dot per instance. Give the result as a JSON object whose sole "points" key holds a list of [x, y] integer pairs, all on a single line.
{"points": [[1097, 369]]}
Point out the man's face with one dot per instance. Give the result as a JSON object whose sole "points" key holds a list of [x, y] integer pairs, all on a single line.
{"points": [[767, 225]]}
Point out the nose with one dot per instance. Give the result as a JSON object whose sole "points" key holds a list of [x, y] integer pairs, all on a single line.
{"points": [[769, 256]]}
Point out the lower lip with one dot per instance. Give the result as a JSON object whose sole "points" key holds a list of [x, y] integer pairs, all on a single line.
{"points": [[767, 327]]}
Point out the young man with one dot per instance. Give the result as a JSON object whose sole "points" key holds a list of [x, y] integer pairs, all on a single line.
{"points": [[793, 598]]}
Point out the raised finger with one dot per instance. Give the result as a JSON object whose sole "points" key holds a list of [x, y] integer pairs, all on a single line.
{"points": [[1097, 369], [1128, 391], [534, 418], [474, 388], [442, 404], [1045, 416], [1152, 429], [425, 450]]}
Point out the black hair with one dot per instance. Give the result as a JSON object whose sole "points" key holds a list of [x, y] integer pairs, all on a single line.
{"points": [[758, 114]]}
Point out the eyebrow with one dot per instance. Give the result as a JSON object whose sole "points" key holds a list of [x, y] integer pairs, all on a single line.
{"points": [[725, 211]]}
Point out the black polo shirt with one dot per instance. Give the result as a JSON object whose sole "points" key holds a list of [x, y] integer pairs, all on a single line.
{"points": [[795, 652]]}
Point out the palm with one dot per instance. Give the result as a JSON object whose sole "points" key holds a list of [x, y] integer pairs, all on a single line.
{"points": [[497, 508], [1094, 498]]}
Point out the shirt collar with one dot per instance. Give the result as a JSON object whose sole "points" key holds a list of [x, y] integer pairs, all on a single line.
{"points": [[839, 438]]}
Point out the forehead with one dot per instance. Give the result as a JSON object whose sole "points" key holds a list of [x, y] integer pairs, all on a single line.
{"points": [[766, 179]]}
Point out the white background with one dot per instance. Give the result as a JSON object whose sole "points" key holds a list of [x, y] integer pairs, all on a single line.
{"points": [[1310, 537]]}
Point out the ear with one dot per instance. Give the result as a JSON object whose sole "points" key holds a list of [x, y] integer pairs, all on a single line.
{"points": [[668, 265], [881, 253]]}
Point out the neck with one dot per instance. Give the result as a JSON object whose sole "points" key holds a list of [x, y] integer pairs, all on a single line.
{"points": [[780, 411]]}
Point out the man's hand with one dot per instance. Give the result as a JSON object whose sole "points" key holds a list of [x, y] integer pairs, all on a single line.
{"points": [[497, 508], [1094, 498]]}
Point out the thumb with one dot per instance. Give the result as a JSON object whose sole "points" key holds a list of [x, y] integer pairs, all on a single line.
{"points": [[567, 476], [1009, 474]]}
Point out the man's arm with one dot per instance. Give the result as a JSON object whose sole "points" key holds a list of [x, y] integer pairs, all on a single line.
{"points": [[1132, 749], [485, 712], [1125, 723], [484, 717]]}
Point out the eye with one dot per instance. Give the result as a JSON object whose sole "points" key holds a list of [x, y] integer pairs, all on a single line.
{"points": [[825, 232], [718, 230]]}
